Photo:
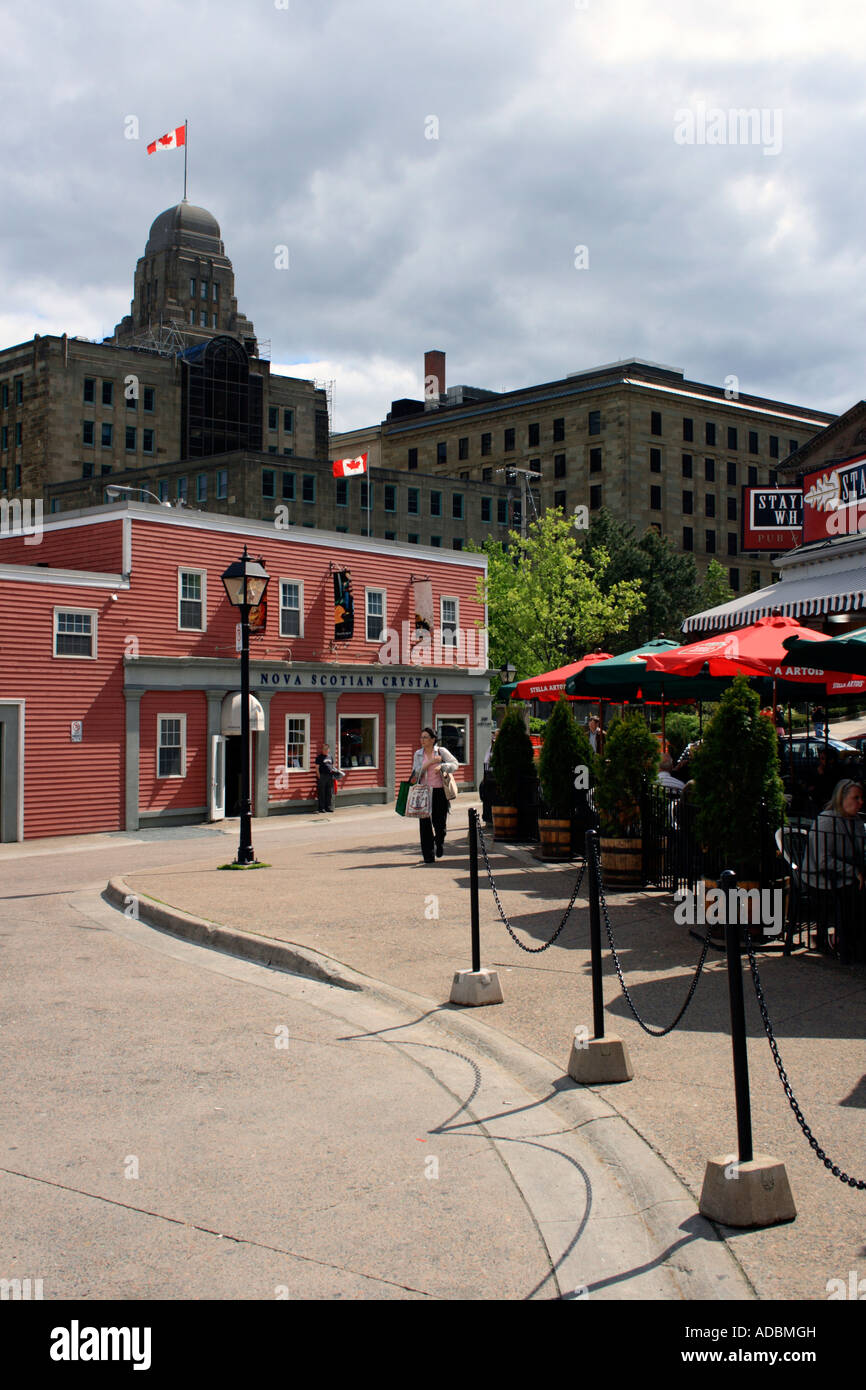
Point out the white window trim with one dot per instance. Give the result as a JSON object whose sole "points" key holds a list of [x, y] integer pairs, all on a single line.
{"points": [[93, 614], [306, 721], [359, 714], [187, 569], [466, 719], [376, 641], [171, 776], [449, 598], [288, 579]]}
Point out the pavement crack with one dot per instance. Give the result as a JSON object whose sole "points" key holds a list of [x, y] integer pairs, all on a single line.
{"points": [[220, 1235]]}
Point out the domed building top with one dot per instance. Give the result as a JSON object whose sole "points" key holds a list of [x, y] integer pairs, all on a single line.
{"points": [[185, 225]]}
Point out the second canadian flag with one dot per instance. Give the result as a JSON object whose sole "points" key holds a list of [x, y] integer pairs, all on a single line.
{"points": [[344, 468]]}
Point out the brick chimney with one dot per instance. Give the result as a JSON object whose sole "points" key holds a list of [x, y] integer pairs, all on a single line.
{"points": [[434, 378]]}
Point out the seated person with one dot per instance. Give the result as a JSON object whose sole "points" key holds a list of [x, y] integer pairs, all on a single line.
{"points": [[834, 864], [665, 778]]}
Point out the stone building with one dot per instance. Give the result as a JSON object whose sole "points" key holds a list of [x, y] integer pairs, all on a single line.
{"points": [[653, 447]]}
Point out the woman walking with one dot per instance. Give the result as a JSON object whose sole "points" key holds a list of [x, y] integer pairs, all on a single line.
{"points": [[428, 765]]}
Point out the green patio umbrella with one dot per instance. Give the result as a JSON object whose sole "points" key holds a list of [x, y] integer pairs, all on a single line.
{"points": [[845, 653], [625, 677]]}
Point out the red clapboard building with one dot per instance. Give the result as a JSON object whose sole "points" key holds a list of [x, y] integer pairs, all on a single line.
{"points": [[120, 668]]}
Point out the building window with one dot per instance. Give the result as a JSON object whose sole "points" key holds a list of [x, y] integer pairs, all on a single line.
{"points": [[202, 318], [390, 497], [534, 438], [436, 541], [559, 430], [559, 465], [435, 503], [732, 437], [86, 471], [308, 487], [595, 497], [342, 492], [734, 579], [457, 506], [732, 509], [201, 487], [374, 600], [732, 473], [192, 316], [687, 465], [86, 432], [710, 504], [487, 475], [390, 535], [594, 422], [222, 483], [449, 620], [486, 443], [710, 470], [753, 441], [655, 460], [457, 543], [502, 511], [162, 490], [192, 289], [287, 453], [655, 499], [413, 458], [710, 434], [655, 422], [288, 486], [688, 430], [510, 477], [108, 393], [710, 539], [752, 476], [559, 500], [297, 743], [181, 489], [487, 509], [452, 731], [273, 417], [215, 292], [89, 392], [191, 592], [288, 421], [359, 740], [688, 503], [774, 446], [148, 399], [773, 478], [688, 538], [17, 478], [147, 441], [105, 468], [366, 497], [291, 608], [535, 465], [203, 287], [75, 632], [269, 483], [414, 538], [412, 501], [442, 452], [732, 542], [171, 745], [793, 446], [509, 441], [463, 447], [4, 395], [106, 436]]}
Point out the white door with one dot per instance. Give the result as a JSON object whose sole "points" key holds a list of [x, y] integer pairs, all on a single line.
{"points": [[217, 799]]}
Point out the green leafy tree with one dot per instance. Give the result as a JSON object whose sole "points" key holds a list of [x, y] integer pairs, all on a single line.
{"points": [[737, 783], [565, 747], [714, 589], [681, 729], [668, 579], [630, 763], [512, 758], [548, 600]]}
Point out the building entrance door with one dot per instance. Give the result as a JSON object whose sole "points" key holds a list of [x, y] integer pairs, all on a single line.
{"points": [[11, 771], [217, 798], [232, 805]]}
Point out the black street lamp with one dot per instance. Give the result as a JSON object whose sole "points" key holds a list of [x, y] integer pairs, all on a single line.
{"points": [[507, 673], [245, 583]]}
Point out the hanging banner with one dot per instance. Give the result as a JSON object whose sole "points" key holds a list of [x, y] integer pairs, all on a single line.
{"points": [[772, 518], [423, 606], [259, 618], [834, 500], [344, 606]]}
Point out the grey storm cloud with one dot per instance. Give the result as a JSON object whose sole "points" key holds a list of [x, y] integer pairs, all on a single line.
{"points": [[432, 171]]}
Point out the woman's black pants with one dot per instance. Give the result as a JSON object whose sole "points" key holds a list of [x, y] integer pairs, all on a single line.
{"points": [[325, 790], [433, 830]]}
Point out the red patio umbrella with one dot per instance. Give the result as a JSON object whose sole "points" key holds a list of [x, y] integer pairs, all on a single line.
{"points": [[550, 685]]}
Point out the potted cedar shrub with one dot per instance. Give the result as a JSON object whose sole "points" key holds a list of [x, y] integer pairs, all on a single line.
{"points": [[738, 793], [630, 765], [565, 748], [513, 767]]}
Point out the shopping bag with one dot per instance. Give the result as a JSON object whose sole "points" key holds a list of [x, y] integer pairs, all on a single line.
{"points": [[402, 793], [449, 783], [419, 802]]}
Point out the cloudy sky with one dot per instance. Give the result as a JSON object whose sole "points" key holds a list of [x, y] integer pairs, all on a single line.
{"points": [[535, 188]]}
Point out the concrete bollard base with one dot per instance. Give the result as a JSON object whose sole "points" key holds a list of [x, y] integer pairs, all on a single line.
{"points": [[598, 1059], [750, 1194], [476, 987]]}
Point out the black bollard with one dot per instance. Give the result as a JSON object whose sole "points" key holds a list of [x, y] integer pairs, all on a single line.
{"points": [[473, 889], [591, 843], [728, 883]]}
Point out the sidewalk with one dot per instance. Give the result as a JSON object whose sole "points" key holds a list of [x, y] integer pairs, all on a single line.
{"points": [[351, 893]]}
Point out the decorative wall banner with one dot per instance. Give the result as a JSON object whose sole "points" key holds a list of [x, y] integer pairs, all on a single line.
{"points": [[423, 605], [834, 500], [772, 518], [259, 618], [344, 606]]}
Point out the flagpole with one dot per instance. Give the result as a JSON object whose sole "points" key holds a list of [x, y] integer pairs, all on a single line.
{"points": [[185, 148]]}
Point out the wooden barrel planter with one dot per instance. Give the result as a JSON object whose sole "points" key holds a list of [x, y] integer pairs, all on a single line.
{"points": [[622, 863], [504, 822], [555, 838]]}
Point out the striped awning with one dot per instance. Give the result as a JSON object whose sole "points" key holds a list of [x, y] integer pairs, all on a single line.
{"points": [[834, 591]]}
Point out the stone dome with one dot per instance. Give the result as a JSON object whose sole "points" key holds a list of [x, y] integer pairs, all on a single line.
{"points": [[185, 225]]}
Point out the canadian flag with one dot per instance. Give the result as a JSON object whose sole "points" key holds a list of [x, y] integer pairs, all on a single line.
{"points": [[172, 141], [344, 468]]}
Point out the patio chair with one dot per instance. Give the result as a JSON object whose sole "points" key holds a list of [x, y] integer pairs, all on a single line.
{"points": [[791, 845]]}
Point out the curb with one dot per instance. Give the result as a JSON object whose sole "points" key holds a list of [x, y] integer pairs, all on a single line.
{"points": [[704, 1263]]}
